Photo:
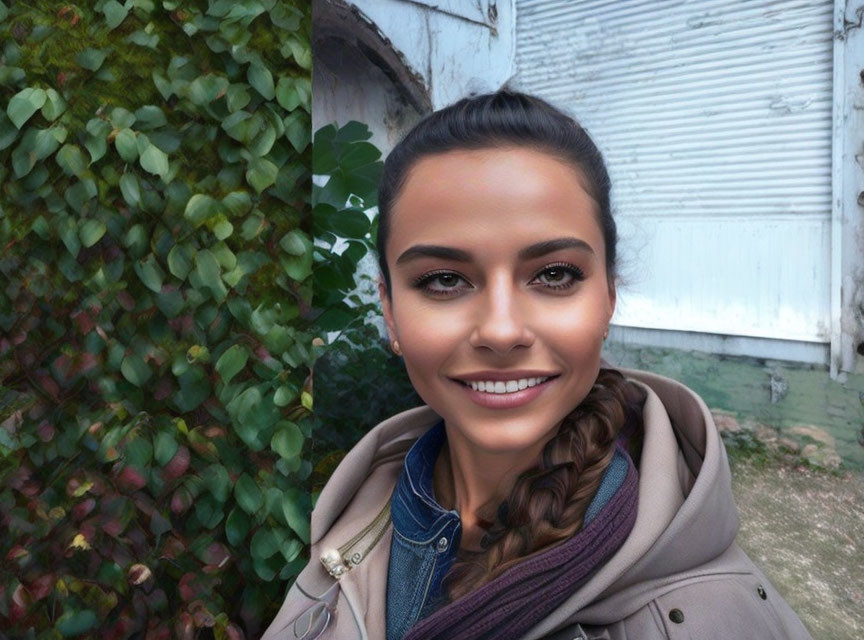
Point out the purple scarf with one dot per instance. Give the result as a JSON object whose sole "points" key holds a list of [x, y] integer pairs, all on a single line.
{"points": [[525, 594]]}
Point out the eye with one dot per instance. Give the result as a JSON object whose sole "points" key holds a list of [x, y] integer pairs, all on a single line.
{"points": [[442, 283], [559, 276]]}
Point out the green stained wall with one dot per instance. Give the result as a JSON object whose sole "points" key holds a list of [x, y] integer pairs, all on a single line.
{"points": [[802, 394]]}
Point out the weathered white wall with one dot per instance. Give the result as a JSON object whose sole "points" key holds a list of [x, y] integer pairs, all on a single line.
{"points": [[368, 51], [715, 118], [457, 46]]}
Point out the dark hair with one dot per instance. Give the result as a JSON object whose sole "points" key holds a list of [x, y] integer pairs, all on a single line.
{"points": [[493, 120]]}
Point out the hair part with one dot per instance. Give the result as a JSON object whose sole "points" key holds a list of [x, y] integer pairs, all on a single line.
{"points": [[498, 120]]}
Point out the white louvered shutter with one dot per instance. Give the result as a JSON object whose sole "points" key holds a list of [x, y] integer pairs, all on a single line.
{"points": [[714, 117]]}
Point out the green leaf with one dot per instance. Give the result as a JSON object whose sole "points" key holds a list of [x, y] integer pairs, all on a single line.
{"points": [[150, 117], [80, 193], [264, 543], [164, 448], [205, 89], [223, 229], [138, 452], [298, 130], [208, 270], [253, 417], [54, 105], [286, 94], [237, 125], [298, 267], [121, 118], [153, 159], [74, 623], [285, 395], [180, 261], [194, 389], [127, 145], [8, 131], [237, 527], [248, 495], [261, 174], [200, 208], [217, 481], [130, 189], [91, 231], [24, 104], [71, 160], [301, 53], [237, 97], [295, 507], [150, 273], [135, 370], [115, 13], [68, 231], [287, 441], [91, 59], [170, 302], [237, 203], [293, 243], [358, 155], [261, 80], [97, 138], [232, 362]]}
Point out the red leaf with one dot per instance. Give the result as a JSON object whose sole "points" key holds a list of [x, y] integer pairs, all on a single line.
{"points": [[131, 478], [46, 431], [184, 628], [83, 508], [42, 586], [83, 321], [177, 466], [181, 500], [126, 300]]}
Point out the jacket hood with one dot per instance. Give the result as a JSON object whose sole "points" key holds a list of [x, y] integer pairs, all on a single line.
{"points": [[686, 514]]}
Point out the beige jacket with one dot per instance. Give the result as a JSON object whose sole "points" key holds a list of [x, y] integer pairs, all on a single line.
{"points": [[679, 574]]}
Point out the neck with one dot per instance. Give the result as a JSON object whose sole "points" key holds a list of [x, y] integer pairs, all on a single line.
{"points": [[474, 482]]}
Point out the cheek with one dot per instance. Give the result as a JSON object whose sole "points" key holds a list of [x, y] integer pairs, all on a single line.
{"points": [[427, 340]]}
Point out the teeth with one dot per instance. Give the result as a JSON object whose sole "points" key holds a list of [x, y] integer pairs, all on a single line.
{"points": [[500, 386]]}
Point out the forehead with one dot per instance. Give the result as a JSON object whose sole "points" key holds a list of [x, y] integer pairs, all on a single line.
{"points": [[510, 195]]}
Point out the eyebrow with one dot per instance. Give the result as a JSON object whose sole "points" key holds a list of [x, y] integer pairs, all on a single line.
{"points": [[459, 255]]}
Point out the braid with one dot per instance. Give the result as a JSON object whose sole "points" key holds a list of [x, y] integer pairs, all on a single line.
{"points": [[548, 502]]}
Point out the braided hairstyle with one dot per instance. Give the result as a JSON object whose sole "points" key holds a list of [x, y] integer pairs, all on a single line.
{"points": [[547, 503]]}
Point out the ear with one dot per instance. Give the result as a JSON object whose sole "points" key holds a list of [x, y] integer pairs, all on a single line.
{"points": [[613, 297], [387, 309]]}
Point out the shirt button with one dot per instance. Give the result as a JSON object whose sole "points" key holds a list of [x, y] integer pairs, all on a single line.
{"points": [[443, 543]]}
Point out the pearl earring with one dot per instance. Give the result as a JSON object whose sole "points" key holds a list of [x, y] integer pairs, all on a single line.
{"points": [[395, 347]]}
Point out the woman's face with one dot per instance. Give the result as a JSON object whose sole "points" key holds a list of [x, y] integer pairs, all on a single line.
{"points": [[500, 299]]}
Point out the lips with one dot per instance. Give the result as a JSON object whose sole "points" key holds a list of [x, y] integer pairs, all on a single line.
{"points": [[505, 386], [504, 390], [513, 379]]}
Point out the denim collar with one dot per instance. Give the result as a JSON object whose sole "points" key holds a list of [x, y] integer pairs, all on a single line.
{"points": [[416, 514]]}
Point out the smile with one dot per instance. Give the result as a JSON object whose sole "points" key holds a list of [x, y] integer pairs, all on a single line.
{"points": [[506, 394], [504, 386]]}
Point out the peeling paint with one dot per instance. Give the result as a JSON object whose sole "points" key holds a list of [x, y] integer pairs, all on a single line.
{"points": [[742, 387]]}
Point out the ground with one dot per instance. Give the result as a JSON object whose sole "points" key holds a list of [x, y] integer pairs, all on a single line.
{"points": [[805, 529]]}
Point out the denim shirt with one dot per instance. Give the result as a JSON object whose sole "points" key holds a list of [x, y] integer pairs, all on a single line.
{"points": [[426, 536]]}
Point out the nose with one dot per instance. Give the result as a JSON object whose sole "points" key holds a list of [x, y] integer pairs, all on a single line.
{"points": [[502, 320]]}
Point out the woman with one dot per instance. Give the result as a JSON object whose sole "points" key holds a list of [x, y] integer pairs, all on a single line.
{"points": [[539, 494]]}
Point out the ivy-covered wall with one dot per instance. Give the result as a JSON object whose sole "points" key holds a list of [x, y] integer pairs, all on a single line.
{"points": [[155, 307]]}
